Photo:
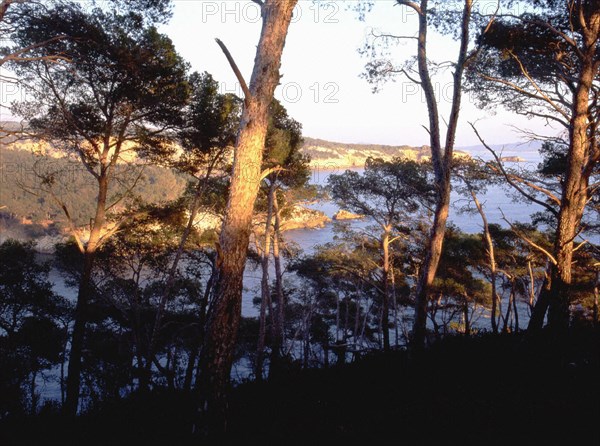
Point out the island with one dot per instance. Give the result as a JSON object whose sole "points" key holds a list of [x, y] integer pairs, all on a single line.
{"points": [[512, 159], [346, 215], [329, 155]]}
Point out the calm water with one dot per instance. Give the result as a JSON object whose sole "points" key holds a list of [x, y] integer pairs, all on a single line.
{"points": [[494, 200]]}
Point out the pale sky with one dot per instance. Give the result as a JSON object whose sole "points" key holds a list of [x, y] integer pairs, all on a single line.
{"points": [[321, 86]]}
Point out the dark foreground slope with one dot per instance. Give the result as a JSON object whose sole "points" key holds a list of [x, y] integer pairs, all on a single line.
{"points": [[489, 390]]}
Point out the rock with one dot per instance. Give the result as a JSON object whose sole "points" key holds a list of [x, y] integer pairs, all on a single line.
{"points": [[304, 218], [346, 215], [299, 217], [513, 159]]}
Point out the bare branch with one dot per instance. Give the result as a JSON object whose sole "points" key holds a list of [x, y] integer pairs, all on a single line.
{"points": [[265, 173], [516, 88], [528, 240], [534, 186], [580, 245], [508, 177], [236, 70], [18, 55], [410, 78], [537, 88], [410, 4], [390, 36]]}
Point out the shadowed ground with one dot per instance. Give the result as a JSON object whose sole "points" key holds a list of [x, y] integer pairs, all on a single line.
{"points": [[486, 390]]}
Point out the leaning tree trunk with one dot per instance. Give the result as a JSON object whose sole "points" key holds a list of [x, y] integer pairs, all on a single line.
{"points": [[442, 163], [491, 257], [575, 190], [172, 274], [225, 308]]}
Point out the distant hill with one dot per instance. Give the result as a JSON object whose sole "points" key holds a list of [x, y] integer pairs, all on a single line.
{"points": [[333, 155], [27, 212]]}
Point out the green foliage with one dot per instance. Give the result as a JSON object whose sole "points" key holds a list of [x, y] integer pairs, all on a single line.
{"points": [[24, 286], [129, 279], [344, 276], [127, 74], [115, 94], [211, 121], [387, 191], [457, 278], [282, 148], [527, 62]]}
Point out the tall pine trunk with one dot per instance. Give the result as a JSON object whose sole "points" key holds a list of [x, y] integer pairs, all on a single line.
{"points": [[225, 308], [442, 162], [385, 319], [265, 295], [575, 190], [83, 296]]}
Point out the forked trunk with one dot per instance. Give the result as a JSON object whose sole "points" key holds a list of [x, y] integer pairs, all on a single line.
{"points": [[441, 160], [536, 321]]}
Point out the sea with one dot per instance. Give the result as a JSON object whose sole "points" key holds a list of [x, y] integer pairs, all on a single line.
{"points": [[497, 201]]}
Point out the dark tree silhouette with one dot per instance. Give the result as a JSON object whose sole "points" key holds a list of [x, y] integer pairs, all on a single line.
{"points": [[114, 96]]}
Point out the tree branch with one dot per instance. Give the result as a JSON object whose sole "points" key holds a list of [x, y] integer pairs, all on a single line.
{"points": [[508, 177], [265, 173], [410, 4], [236, 70], [528, 240]]}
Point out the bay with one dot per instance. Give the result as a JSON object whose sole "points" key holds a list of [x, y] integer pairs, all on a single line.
{"points": [[495, 201]]}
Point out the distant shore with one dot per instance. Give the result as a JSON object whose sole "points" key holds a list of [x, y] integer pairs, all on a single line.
{"points": [[358, 162]]}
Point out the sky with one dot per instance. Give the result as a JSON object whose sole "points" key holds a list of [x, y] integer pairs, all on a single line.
{"points": [[321, 85], [321, 66]]}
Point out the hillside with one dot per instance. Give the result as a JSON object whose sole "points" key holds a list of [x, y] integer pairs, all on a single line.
{"points": [[28, 212], [480, 391], [333, 155], [323, 154]]}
